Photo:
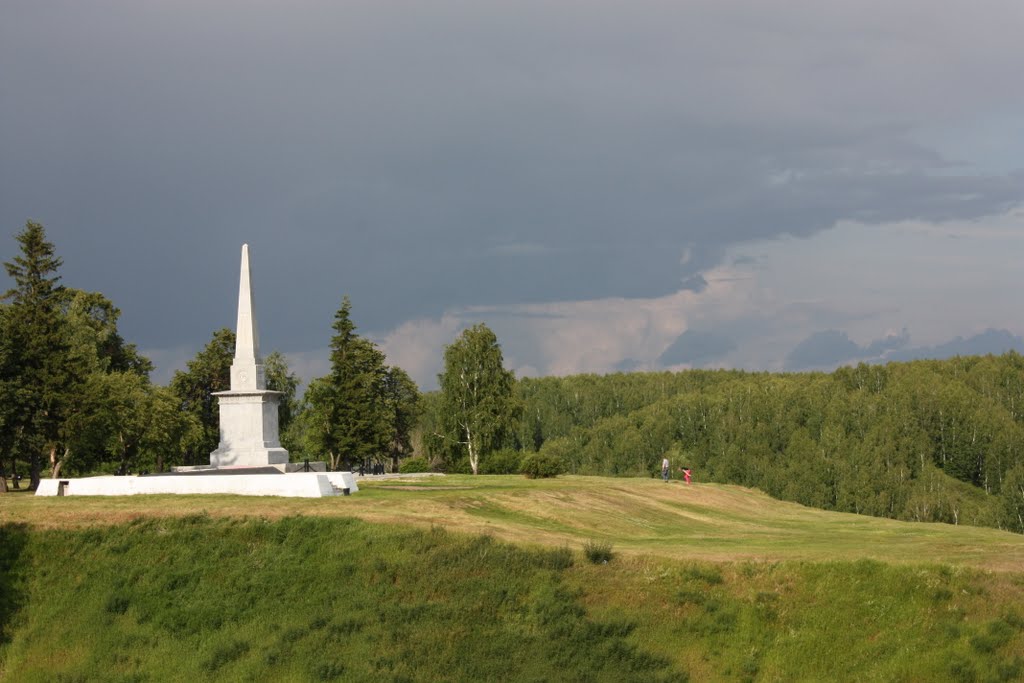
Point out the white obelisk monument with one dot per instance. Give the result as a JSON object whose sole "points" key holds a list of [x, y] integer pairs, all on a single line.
{"points": [[248, 412]]}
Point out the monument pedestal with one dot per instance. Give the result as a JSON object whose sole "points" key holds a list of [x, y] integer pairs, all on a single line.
{"points": [[248, 429], [278, 468]]}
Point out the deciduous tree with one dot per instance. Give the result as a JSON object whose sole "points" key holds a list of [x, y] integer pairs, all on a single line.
{"points": [[281, 378], [208, 372], [93, 335], [402, 408], [478, 410]]}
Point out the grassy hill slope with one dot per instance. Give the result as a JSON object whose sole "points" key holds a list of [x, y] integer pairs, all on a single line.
{"points": [[934, 441], [716, 522], [709, 582]]}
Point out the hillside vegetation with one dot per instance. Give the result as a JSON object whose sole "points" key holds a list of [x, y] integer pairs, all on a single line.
{"points": [[227, 588], [639, 516], [927, 441]]}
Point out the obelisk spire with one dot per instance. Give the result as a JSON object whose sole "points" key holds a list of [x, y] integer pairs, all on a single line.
{"points": [[247, 368], [248, 412]]}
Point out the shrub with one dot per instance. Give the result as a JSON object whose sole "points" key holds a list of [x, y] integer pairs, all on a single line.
{"points": [[117, 604], [505, 461], [414, 464], [598, 552], [540, 466], [225, 654], [328, 671], [559, 558], [457, 466], [707, 574], [997, 634]]}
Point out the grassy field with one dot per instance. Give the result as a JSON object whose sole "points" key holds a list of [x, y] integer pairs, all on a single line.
{"points": [[707, 582], [708, 522]]}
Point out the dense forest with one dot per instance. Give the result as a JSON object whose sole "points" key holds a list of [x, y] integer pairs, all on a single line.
{"points": [[925, 440]]}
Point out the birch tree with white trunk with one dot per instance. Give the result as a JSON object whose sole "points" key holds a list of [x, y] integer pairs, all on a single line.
{"points": [[478, 409]]}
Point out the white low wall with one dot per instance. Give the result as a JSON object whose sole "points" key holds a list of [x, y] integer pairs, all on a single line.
{"points": [[295, 485]]}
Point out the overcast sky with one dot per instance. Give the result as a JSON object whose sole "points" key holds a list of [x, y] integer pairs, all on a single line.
{"points": [[609, 185]]}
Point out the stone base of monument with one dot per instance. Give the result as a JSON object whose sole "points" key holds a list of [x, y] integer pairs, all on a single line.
{"points": [[280, 468], [232, 456], [293, 485]]}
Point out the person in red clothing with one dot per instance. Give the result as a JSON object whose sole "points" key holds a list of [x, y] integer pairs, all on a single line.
{"points": [[686, 474]]}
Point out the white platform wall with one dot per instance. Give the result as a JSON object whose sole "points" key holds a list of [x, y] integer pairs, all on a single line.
{"points": [[295, 485]]}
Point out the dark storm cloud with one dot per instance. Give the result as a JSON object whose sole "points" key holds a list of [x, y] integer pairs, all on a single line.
{"points": [[696, 348], [831, 348], [424, 156], [887, 345], [823, 349], [828, 349], [990, 341]]}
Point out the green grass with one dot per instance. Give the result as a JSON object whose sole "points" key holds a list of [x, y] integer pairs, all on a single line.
{"points": [[307, 599], [849, 621], [196, 598], [712, 583]]}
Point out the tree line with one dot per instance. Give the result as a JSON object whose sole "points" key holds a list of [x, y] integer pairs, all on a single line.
{"points": [[74, 395], [76, 398], [923, 440], [927, 440]]}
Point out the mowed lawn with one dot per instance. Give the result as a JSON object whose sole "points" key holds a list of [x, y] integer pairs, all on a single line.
{"points": [[706, 522]]}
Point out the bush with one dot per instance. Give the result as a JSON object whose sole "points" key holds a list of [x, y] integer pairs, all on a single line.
{"points": [[561, 558], [414, 464], [505, 461], [540, 466], [460, 466], [598, 552]]}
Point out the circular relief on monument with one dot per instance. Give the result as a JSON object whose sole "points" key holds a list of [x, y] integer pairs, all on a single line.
{"points": [[243, 376]]}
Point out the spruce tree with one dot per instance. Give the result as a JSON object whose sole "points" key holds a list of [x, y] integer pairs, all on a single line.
{"points": [[358, 422], [8, 408], [345, 415], [44, 382]]}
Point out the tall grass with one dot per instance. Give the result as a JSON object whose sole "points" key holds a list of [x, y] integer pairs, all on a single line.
{"points": [[332, 598], [196, 598], [831, 621]]}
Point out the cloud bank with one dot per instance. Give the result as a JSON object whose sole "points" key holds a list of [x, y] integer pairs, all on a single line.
{"points": [[561, 167]]}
